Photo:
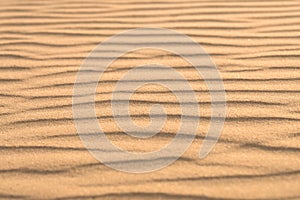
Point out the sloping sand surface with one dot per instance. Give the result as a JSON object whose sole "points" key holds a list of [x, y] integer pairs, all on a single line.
{"points": [[256, 46]]}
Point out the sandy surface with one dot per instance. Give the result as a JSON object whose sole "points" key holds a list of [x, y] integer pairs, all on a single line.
{"points": [[256, 46]]}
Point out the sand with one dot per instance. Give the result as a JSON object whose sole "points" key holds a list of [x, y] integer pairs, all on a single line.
{"points": [[255, 45]]}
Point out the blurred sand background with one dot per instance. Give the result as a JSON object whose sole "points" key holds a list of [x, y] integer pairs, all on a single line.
{"points": [[256, 46]]}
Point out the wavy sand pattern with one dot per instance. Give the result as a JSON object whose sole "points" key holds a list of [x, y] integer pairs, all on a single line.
{"points": [[256, 46]]}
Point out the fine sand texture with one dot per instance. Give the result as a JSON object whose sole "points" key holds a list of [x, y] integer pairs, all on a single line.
{"points": [[256, 47]]}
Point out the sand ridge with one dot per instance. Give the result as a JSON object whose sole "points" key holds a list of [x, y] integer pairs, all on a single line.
{"points": [[255, 45]]}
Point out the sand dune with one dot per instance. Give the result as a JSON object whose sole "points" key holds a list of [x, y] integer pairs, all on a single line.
{"points": [[255, 45]]}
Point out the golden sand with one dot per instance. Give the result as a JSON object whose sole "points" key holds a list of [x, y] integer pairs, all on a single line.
{"points": [[256, 46]]}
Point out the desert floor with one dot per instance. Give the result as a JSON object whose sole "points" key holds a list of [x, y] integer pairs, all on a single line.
{"points": [[256, 46]]}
